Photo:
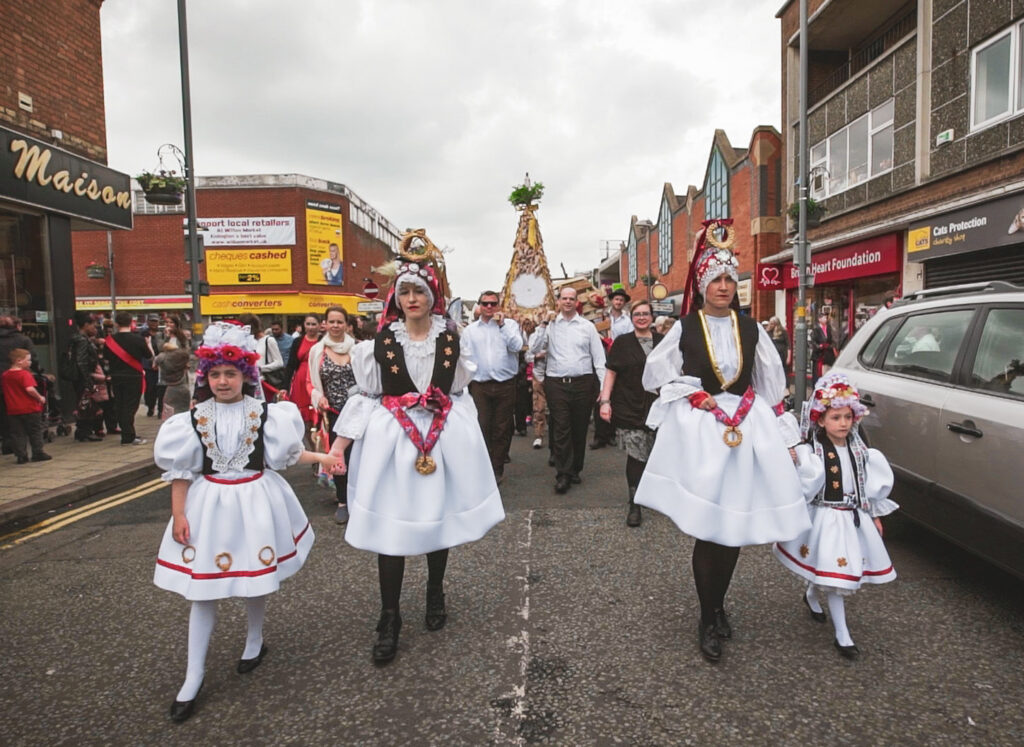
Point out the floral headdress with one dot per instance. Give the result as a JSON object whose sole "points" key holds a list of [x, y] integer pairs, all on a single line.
{"points": [[228, 344], [831, 390], [419, 262], [712, 258]]}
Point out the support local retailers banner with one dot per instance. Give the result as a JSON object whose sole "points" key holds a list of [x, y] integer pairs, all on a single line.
{"points": [[230, 304], [880, 255], [253, 231]]}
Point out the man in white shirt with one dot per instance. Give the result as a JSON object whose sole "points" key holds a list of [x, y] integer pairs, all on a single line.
{"points": [[574, 355], [620, 322], [495, 342]]}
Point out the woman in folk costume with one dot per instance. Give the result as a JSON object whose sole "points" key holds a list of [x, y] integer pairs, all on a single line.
{"points": [[236, 528], [420, 480], [846, 484], [720, 468]]}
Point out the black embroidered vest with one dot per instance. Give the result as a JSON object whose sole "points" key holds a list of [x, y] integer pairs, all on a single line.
{"points": [[697, 361], [255, 462], [834, 470], [394, 375]]}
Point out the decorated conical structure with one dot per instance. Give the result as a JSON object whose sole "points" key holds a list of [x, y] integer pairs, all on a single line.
{"points": [[527, 292]]}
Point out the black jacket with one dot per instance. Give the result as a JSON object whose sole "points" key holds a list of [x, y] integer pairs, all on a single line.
{"points": [[630, 401]]}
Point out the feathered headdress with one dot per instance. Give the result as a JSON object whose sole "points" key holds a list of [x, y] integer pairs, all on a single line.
{"points": [[231, 344], [419, 262], [712, 258], [831, 390]]}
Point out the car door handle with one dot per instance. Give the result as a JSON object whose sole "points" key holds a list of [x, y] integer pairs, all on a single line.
{"points": [[866, 399], [967, 430]]}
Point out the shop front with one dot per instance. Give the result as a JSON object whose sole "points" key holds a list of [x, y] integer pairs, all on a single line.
{"points": [[976, 244], [45, 193], [850, 283]]}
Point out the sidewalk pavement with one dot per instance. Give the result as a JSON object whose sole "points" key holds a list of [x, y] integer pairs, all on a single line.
{"points": [[78, 470]]}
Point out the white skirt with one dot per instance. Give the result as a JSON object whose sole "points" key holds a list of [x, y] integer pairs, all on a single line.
{"points": [[395, 510], [244, 540], [744, 495], [836, 554]]}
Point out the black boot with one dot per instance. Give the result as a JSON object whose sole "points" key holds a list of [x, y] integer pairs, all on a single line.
{"points": [[722, 627], [633, 518], [436, 614], [386, 647], [710, 646]]}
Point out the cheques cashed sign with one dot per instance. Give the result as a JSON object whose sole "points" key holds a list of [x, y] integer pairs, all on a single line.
{"points": [[878, 256], [984, 226]]}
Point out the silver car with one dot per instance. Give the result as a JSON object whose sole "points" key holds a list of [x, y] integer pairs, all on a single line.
{"points": [[942, 373]]}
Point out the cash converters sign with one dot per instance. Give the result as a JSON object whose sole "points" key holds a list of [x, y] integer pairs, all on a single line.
{"points": [[249, 266], [985, 226], [230, 304], [37, 174]]}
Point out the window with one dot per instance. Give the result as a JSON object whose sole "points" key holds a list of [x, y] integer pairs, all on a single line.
{"points": [[927, 344], [999, 364], [858, 152], [867, 356], [664, 238], [997, 78], [631, 255], [716, 188]]}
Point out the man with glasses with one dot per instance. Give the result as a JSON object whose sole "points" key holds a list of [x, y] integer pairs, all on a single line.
{"points": [[495, 343], [619, 323], [574, 373]]}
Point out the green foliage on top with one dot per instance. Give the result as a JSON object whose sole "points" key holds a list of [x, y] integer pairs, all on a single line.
{"points": [[524, 195], [814, 209], [163, 181]]}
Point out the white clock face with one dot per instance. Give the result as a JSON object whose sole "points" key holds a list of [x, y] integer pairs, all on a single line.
{"points": [[529, 291]]}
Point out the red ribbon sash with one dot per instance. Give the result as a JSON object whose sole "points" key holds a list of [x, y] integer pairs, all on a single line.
{"points": [[741, 412], [114, 347], [434, 400], [239, 481]]}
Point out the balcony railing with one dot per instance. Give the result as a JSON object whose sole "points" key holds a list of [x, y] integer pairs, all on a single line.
{"points": [[867, 54]]}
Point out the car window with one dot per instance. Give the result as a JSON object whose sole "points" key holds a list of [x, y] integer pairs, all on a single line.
{"points": [[867, 356], [927, 344], [999, 364]]}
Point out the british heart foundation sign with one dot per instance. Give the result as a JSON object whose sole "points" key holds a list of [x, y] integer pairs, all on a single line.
{"points": [[769, 277]]}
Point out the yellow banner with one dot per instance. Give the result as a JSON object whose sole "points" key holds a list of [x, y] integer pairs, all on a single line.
{"points": [[230, 304], [134, 304], [249, 266], [324, 255]]}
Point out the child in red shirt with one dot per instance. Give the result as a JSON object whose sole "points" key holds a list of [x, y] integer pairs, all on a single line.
{"points": [[24, 408]]}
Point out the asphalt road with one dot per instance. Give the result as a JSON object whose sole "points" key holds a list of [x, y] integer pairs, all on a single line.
{"points": [[564, 627]]}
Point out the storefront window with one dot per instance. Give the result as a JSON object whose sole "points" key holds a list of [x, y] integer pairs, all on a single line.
{"points": [[23, 275]]}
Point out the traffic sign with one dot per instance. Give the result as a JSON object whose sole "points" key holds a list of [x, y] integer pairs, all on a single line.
{"points": [[370, 307], [663, 307], [370, 289]]}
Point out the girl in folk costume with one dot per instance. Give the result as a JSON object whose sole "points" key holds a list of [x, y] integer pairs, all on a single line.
{"points": [[236, 529], [420, 480], [846, 483], [719, 467]]}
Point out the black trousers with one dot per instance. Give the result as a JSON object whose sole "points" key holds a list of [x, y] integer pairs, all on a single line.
{"points": [[152, 377], [570, 401], [495, 405], [127, 395], [604, 432], [26, 430]]}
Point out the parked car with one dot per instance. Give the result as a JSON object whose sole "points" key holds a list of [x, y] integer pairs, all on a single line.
{"points": [[942, 373]]}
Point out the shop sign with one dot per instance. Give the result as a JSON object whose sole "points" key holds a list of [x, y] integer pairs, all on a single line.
{"points": [[249, 266], [878, 256], [370, 307], [985, 226], [43, 176], [230, 304], [769, 277], [743, 291], [324, 247], [133, 303], [663, 307], [251, 231]]}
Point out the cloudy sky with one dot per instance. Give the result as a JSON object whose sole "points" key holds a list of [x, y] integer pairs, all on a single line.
{"points": [[433, 110]]}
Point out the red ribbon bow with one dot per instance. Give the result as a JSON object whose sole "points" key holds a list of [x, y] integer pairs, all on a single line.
{"points": [[433, 400]]}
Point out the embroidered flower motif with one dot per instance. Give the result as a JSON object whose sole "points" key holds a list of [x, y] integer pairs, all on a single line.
{"points": [[266, 555], [253, 414], [449, 338], [390, 354], [804, 551], [223, 561], [447, 364], [203, 420], [833, 469], [387, 340], [835, 484], [841, 562], [394, 369], [231, 353], [447, 351], [831, 455]]}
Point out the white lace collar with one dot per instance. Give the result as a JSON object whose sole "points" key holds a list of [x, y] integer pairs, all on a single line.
{"points": [[206, 427], [437, 326]]}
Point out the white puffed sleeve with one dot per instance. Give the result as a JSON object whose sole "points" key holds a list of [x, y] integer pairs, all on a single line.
{"points": [[811, 470], [466, 367], [878, 484], [178, 450], [282, 435], [361, 402], [769, 381], [663, 373]]}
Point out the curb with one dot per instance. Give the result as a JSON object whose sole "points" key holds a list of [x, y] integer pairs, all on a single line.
{"points": [[34, 505]]}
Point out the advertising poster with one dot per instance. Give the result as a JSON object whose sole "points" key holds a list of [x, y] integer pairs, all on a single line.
{"points": [[253, 231], [324, 256], [249, 266]]}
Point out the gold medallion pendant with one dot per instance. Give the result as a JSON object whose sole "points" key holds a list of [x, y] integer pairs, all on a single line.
{"points": [[732, 436], [425, 465]]}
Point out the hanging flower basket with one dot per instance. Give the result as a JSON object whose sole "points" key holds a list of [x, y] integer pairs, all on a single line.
{"points": [[95, 271], [162, 187]]}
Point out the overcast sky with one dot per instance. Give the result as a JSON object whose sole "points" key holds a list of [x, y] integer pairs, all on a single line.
{"points": [[432, 110]]}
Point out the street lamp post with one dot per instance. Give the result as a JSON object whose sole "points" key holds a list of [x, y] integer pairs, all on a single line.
{"points": [[190, 176], [800, 250]]}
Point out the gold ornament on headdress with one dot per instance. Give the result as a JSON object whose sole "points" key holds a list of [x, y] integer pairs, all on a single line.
{"points": [[416, 246], [728, 239]]}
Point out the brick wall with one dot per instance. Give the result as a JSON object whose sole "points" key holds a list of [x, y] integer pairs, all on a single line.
{"points": [[51, 50]]}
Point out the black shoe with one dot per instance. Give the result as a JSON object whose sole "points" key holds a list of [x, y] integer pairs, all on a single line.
{"points": [[436, 614], [575, 479], [710, 646], [247, 665], [818, 617], [562, 485], [90, 437], [597, 444], [22, 460], [722, 627], [633, 518], [41, 457], [181, 710], [847, 652], [386, 647]]}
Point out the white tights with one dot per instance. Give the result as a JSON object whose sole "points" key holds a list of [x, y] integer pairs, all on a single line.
{"points": [[201, 619], [836, 608]]}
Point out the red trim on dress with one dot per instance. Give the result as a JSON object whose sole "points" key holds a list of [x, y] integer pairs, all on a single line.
{"points": [[239, 481], [233, 574], [832, 574]]}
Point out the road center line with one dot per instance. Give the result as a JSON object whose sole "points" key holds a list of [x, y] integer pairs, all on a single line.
{"points": [[521, 642]]}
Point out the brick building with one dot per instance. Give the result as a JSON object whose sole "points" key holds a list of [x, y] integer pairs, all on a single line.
{"points": [[743, 184], [916, 135], [268, 243], [53, 151]]}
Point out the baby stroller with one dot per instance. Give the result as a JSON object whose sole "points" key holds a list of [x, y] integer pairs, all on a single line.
{"points": [[53, 420]]}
